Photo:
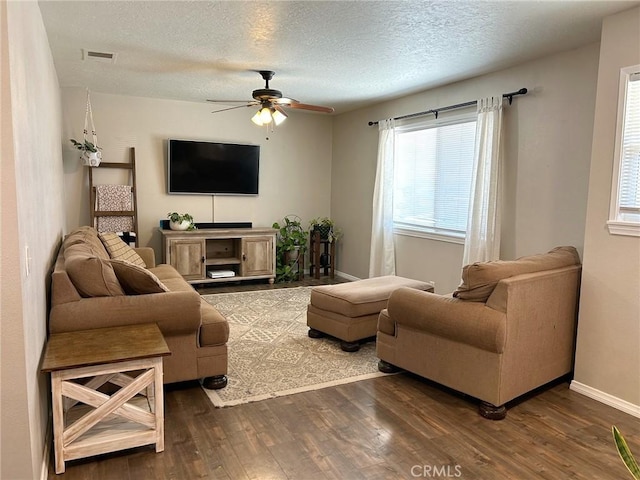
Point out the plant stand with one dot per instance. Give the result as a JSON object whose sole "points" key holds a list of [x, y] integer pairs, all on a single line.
{"points": [[297, 265], [322, 249]]}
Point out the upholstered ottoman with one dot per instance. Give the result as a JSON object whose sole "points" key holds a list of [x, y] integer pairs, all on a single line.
{"points": [[349, 311]]}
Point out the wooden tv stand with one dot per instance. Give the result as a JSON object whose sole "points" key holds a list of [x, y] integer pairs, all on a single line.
{"points": [[210, 255]]}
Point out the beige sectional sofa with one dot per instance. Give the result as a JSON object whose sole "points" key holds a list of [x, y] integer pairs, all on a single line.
{"points": [[99, 281], [508, 329]]}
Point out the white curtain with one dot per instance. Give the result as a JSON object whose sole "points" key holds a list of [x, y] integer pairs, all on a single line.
{"points": [[382, 258], [482, 242]]}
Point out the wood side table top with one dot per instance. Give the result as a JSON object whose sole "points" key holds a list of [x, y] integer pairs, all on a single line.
{"points": [[101, 346]]}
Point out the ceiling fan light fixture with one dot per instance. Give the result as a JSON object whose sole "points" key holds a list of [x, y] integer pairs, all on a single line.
{"points": [[256, 119], [279, 117], [265, 115]]}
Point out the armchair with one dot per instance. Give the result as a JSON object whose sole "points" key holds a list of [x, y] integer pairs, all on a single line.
{"points": [[508, 329]]}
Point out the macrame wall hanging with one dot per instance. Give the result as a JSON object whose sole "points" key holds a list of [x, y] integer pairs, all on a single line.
{"points": [[91, 154]]}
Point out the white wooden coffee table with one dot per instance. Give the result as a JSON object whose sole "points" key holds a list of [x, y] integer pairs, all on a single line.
{"points": [[88, 422]]}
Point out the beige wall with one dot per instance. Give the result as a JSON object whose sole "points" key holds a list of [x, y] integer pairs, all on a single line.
{"points": [[608, 350], [295, 163], [32, 217], [547, 153]]}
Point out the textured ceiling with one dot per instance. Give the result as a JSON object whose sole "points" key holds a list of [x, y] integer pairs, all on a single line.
{"points": [[344, 54]]}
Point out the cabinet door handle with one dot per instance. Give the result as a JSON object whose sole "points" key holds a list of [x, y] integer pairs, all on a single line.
{"points": [[202, 259], [244, 257]]}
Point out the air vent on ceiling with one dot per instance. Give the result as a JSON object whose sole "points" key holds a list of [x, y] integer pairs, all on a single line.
{"points": [[95, 56]]}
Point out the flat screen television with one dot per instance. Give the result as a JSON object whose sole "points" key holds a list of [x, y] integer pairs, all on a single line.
{"points": [[211, 168]]}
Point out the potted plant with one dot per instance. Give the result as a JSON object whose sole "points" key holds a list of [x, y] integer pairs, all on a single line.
{"points": [[91, 155], [180, 222], [291, 243], [326, 227], [328, 232]]}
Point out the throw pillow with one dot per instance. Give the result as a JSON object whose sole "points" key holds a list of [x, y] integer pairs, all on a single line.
{"points": [[119, 250], [480, 279], [92, 276], [88, 236], [136, 280]]}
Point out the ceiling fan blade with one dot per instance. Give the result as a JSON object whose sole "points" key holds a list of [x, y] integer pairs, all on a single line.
{"points": [[232, 108], [280, 109], [313, 108], [229, 101], [285, 101]]}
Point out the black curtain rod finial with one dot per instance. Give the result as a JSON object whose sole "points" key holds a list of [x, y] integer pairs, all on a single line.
{"points": [[509, 96]]}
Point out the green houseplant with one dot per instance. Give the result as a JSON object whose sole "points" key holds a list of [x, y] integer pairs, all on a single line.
{"points": [[625, 453], [179, 221], [326, 227], [91, 155], [291, 245], [86, 145]]}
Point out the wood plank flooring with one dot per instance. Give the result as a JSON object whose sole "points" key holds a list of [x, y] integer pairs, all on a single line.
{"points": [[227, 287], [393, 427]]}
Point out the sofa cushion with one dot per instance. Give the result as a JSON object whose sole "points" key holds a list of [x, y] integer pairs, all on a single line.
{"points": [[177, 284], [89, 237], [215, 328], [91, 275], [119, 250], [479, 279], [166, 272], [136, 280]]}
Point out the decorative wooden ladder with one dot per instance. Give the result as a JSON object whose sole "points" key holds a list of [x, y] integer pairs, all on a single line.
{"points": [[134, 192]]}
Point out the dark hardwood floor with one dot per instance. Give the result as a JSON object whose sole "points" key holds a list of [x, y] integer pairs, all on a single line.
{"points": [[227, 287], [393, 427]]}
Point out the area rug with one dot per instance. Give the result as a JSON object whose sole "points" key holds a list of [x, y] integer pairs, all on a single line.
{"points": [[270, 353]]}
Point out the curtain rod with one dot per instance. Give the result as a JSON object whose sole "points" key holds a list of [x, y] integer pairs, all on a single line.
{"points": [[435, 111]]}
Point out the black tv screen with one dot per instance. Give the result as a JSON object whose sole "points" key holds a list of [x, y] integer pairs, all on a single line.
{"points": [[210, 168]]}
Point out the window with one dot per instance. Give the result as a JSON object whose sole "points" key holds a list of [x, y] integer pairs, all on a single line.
{"points": [[432, 178], [624, 215]]}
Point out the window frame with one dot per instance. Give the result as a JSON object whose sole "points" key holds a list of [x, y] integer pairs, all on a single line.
{"points": [[432, 233], [615, 224]]}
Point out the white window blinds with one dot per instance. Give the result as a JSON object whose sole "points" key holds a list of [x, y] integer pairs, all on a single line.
{"points": [[432, 177], [630, 155], [624, 216]]}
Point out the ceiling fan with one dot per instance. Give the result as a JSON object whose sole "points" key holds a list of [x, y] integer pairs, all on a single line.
{"points": [[271, 102]]}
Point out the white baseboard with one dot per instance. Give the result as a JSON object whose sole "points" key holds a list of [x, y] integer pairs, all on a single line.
{"points": [[338, 274], [605, 398], [347, 276]]}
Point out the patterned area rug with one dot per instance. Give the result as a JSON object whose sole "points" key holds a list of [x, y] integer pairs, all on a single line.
{"points": [[270, 353]]}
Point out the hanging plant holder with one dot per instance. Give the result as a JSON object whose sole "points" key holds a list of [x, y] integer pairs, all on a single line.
{"points": [[91, 157]]}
